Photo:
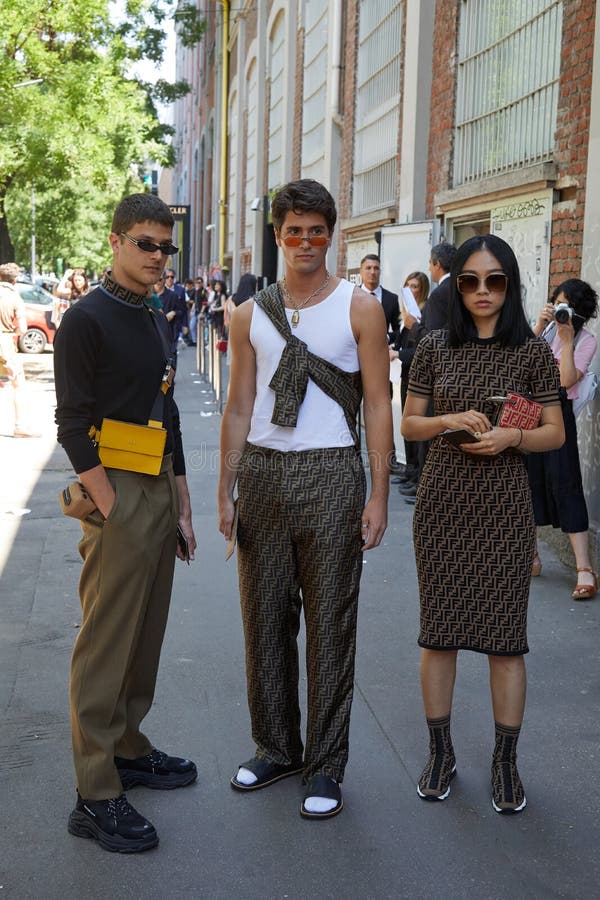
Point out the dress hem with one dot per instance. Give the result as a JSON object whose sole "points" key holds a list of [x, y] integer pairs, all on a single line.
{"points": [[475, 649]]}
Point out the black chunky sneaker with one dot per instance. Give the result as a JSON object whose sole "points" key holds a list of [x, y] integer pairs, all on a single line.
{"points": [[114, 823], [157, 771]]}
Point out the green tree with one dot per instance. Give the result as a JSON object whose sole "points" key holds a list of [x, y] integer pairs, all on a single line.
{"points": [[81, 135]]}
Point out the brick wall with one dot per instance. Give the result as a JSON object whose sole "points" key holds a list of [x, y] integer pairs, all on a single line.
{"points": [[572, 136], [443, 93]]}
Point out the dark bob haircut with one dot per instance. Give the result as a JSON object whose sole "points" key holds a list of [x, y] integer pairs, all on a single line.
{"points": [[141, 208], [246, 288], [301, 196], [581, 297], [512, 328]]}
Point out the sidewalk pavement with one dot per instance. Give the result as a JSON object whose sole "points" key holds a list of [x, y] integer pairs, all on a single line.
{"points": [[217, 844]]}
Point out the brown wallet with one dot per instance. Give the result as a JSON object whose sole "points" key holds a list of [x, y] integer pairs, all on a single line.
{"points": [[75, 502]]}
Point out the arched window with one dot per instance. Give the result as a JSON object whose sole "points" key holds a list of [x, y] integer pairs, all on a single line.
{"points": [[232, 167], [316, 25], [276, 103], [251, 148]]}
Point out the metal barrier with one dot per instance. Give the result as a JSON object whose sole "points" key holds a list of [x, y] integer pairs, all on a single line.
{"points": [[211, 363]]}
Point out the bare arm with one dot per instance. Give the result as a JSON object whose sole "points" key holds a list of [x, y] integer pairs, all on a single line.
{"points": [[417, 426], [238, 412], [368, 324], [185, 515], [97, 485], [569, 374], [545, 317]]}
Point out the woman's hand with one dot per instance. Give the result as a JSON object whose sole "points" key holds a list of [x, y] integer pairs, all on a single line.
{"points": [[566, 333], [494, 442], [546, 315], [475, 422], [393, 354]]}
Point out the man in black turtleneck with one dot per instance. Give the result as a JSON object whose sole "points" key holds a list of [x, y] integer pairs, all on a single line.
{"points": [[109, 361]]}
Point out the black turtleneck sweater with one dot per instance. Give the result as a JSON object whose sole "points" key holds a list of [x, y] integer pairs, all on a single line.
{"points": [[108, 363]]}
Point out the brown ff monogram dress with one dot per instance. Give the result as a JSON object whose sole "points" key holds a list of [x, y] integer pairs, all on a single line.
{"points": [[474, 532]]}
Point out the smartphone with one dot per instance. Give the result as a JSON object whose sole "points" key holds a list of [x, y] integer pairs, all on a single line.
{"points": [[183, 545], [460, 436]]}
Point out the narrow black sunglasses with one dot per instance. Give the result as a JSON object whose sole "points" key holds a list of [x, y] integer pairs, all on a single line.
{"points": [[469, 284], [166, 248]]}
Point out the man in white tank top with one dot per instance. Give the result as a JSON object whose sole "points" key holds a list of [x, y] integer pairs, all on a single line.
{"points": [[299, 351]]}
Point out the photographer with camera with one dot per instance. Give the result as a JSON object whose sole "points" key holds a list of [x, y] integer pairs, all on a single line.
{"points": [[555, 476]]}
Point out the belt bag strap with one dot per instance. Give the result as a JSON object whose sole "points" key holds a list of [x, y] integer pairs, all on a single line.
{"points": [[157, 414]]}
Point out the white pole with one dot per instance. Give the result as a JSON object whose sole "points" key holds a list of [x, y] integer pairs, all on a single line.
{"points": [[32, 233]]}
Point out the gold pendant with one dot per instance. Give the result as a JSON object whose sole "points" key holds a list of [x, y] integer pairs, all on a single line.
{"points": [[295, 317]]}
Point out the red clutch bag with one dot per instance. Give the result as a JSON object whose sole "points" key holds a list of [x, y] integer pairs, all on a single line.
{"points": [[517, 411]]}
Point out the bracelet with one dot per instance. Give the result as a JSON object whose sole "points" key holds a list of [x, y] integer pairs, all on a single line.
{"points": [[520, 441]]}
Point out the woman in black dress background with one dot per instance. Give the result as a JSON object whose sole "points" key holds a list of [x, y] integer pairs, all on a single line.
{"points": [[474, 531], [403, 348], [555, 476]]}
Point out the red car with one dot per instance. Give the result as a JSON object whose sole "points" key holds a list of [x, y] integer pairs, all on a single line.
{"points": [[40, 329]]}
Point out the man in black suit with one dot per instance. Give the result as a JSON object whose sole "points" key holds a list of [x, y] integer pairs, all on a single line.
{"points": [[370, 273], [435, 315]]}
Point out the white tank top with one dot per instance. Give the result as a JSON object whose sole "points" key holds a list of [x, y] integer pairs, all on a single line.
{"points": [[326, 330]]}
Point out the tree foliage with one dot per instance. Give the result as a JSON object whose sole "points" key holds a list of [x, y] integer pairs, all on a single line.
{"points": [[82, 136]]}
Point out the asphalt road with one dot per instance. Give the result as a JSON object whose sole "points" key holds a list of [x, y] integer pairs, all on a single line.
{"points": [[217, 844]]}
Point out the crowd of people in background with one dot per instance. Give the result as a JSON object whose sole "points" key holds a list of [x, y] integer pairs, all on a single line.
{"points": [[189, 306]]}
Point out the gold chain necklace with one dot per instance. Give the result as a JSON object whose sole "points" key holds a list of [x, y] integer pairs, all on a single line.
{"points": [[298, 306]]}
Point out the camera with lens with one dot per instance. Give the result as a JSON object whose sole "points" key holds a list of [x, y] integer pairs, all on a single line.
{"points": [[562, 313]]}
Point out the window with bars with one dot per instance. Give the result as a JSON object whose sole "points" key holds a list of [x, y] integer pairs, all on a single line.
{"points": [[507, 85], [232, 165], [251, 149], [316, 24], [377, 105], [276, 71]]}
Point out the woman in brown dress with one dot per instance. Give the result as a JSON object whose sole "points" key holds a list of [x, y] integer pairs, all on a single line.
{"points": [[474, 532]]}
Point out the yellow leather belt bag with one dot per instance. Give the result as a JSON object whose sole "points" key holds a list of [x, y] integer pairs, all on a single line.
{"points": [[135, 448]]}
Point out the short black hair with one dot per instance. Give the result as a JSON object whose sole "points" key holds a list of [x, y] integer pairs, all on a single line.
{"points": [[512, 328], [246, 288], [141, 208], [370, 256], [581, 296], [305, 195], [443, 254]]}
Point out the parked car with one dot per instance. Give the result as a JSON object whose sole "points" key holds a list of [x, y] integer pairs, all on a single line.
{"points": [[40, 329]]}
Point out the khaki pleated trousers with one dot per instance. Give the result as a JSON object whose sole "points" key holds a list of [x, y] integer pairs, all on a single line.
{"points": [[125, 591], [299, 546]]}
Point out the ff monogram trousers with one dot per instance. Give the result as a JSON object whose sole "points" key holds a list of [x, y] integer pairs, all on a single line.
{"points": [[125, 591], [299, 546]]}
